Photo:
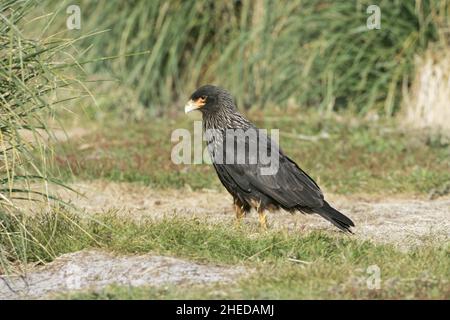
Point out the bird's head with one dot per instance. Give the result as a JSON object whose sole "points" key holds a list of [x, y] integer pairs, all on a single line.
{"points": [[209, 99]]}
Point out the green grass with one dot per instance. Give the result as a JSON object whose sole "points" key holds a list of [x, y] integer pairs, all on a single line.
{"points": [[284, 282], [37, 76], [312, 53], [336, 266], [358, 157]]}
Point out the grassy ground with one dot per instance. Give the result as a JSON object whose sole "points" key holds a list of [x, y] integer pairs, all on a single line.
{"points": [[345, 155], [279, 264], [356, 157]]}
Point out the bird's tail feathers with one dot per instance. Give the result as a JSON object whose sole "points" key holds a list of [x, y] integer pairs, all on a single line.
{"points": [[335, 217]]}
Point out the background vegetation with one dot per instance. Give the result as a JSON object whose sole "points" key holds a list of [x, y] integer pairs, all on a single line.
{"points": [[318, 54], [34, 80]]}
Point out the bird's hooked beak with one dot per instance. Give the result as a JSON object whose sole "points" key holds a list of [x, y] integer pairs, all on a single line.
{"points": [[194, 104]]}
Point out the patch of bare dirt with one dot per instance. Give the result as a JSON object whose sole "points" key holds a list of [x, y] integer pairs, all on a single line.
{"points": [[404, 222], [94, 269]]}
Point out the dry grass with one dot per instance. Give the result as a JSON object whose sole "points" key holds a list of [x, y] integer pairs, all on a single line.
{"points": [[426, 103]]}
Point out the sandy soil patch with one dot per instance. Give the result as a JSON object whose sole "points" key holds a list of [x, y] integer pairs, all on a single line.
{"points": [[94, 269]]}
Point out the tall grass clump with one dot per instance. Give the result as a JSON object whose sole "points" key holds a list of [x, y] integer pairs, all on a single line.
{"points": [[365, 69], [31, 73], [304, 52]]}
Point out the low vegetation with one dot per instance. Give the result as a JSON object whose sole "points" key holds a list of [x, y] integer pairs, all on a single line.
{"points": [[31, 73], [383, 159], [343, 153], [279, 264]]}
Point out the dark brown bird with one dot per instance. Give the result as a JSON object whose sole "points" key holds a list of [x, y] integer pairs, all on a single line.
{"points": [[287, 187]]}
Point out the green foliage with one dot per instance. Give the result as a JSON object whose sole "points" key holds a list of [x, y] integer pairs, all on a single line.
{"points": [[313, 53], [39, 238], [31, 71]]}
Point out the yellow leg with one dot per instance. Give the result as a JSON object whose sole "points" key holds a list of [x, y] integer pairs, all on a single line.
{"points": [[262, 219], [240, 214]]}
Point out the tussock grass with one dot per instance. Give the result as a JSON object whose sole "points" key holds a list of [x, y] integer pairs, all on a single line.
{"points": [[31, 73], [313, 53]]}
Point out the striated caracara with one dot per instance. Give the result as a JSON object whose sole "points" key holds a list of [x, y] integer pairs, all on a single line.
{"points": [[239, 152]]}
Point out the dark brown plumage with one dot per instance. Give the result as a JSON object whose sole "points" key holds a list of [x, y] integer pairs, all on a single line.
{"points": [[289, 187]]}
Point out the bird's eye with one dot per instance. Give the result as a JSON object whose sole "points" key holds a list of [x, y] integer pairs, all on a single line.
{"points": [[203, 98]]}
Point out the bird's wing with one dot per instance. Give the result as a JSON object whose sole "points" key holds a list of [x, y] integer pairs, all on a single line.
{"points": [[289, 185]]}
